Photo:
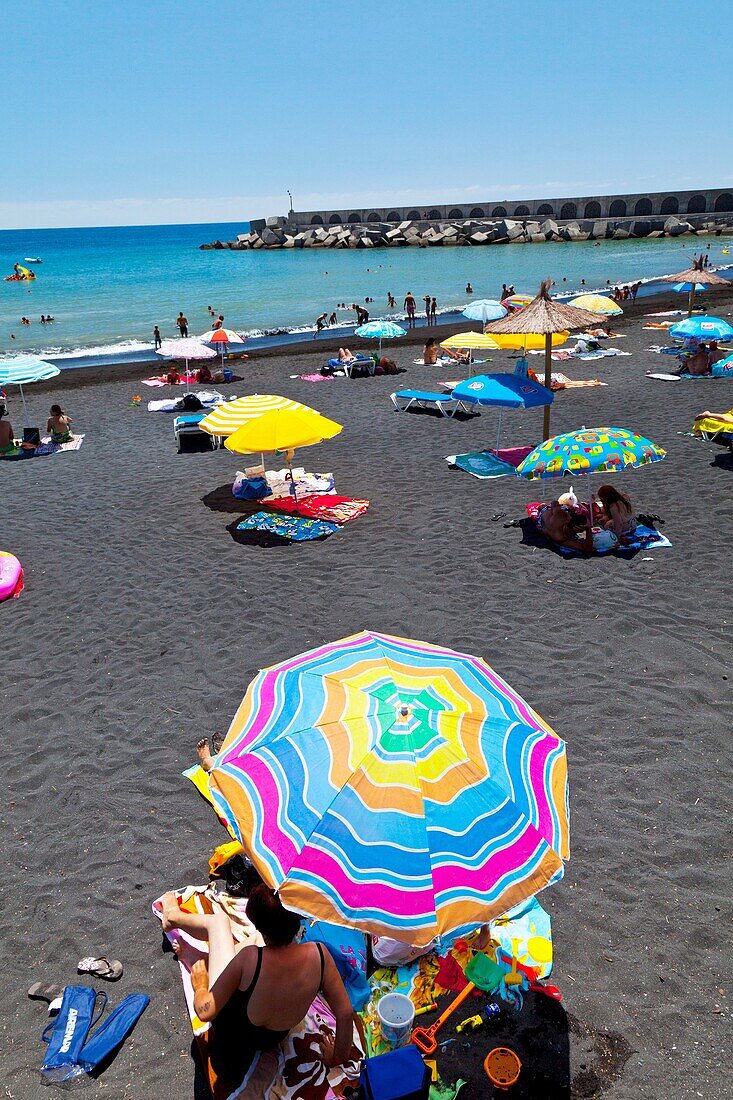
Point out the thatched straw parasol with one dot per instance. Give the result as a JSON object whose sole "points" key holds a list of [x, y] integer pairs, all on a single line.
{"points": [[543, 316], [696, 276]]}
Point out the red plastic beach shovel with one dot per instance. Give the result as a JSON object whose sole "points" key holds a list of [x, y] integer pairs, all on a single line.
{"points": [[424, 1037]]}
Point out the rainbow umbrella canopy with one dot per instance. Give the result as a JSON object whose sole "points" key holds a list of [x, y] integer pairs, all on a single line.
{"points": [[597, 303], [601, 450], [394, 786]]}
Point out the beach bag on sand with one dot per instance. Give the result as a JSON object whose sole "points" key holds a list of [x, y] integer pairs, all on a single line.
{"points": [[67, 1033], [71, 1056]]}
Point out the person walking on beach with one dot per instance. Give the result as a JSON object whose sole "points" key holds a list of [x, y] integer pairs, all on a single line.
{"points": [[182, 323], [426, 300], [410, 306], [433, 310], [362, 315], [320, 324], [156, 337]]}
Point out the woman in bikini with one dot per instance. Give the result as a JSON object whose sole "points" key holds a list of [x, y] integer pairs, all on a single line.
{"points": [[255, 995], [59, 425], [617, 506]]}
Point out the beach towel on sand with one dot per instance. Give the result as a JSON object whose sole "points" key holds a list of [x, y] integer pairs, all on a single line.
{"points": [[293, 528], [292, 1071], [46, 447], [328, 506], [490, 464]]}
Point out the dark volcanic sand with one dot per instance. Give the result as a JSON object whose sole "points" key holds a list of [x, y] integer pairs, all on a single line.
{"points": [[143, 621]]}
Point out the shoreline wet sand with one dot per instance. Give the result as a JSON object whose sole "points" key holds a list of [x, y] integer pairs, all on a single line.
{"points": [[143, 621]]}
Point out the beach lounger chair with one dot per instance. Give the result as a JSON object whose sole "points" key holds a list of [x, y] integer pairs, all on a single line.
{"points": [[189, 436], [424, 399]]}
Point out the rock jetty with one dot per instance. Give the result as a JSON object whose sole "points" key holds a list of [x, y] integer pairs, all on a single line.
{"points": [[278, 233]]}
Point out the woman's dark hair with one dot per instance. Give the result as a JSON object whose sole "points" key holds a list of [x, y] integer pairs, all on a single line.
{"points": [[56, 410], [429, 343], [278, 925], [609, 495]]}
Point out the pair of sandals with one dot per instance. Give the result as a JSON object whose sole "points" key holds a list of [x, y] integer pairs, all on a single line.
{"points": [[108, 969]]}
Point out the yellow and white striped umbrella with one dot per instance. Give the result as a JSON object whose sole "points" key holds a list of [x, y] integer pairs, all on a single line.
{"points": [[224, 419]]}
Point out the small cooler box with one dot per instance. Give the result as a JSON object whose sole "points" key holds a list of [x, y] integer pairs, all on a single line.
{"points": [[399, 1075]]}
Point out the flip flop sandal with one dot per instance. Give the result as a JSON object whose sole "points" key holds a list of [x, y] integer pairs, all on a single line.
{"points": [[111, 971], [40, 992]]}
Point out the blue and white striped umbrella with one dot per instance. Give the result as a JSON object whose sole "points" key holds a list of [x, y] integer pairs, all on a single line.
{"points": [[485, 309], [24, 370], [380, 330]]}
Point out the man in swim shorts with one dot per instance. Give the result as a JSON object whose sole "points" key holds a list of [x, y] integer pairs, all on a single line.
{"points": [[563, 527], [182, 323], [409, 307]]}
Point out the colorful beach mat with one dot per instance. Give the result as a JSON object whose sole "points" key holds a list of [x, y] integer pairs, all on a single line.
{"points": [[326, 506], [483, 464], [292, 528], [44, 448]]}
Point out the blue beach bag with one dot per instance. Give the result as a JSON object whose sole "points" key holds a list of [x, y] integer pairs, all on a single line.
{"points": [[67, 1034]]}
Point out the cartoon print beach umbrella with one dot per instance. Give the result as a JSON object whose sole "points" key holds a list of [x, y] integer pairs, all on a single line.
{"points": [[380, 330], [394, 786], [601, 450], [187, 348], [544, 316], [694, 277], [24, 370], [506, 391], [597, 303], [702, 328], [485, 309], [222, 338]]}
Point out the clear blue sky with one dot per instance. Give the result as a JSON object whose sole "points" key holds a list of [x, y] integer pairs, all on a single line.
{"points": [[145, 111]]}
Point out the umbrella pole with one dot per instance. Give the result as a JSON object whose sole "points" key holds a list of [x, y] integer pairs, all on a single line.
{"points": [[498, 428], [548, 385], [25, 408], [691, 300]]}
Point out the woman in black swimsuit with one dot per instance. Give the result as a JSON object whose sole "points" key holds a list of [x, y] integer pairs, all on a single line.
{"points": [[255, 995]]}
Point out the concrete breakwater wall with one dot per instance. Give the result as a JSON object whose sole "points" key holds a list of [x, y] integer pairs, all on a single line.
{"points": [[279, 233]]}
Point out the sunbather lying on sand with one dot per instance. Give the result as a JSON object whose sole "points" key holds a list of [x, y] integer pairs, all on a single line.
{"points": [[563, 526], [255, 995]]}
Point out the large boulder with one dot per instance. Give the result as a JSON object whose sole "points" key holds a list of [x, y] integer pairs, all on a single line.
{"points": [[621, 234], [549, 228], [674, 227], [479, 237], [538, 238], [270, 236], [640, 227]]}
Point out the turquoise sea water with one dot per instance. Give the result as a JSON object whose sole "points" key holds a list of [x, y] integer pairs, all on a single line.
{"points": [[108, 287]]}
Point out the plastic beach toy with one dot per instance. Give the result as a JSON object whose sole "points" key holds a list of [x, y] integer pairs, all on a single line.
{"points": [[424, 1037], [502, 1067], [396, 1013], [11, 575]]}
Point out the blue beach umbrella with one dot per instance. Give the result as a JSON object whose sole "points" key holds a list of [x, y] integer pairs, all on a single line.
{"points": [[506, 391], [485, 309], [24, 370], [703, 328], [380, 330]]}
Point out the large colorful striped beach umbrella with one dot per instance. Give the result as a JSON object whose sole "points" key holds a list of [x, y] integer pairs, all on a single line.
{"points": [[395, 786], [224, 419]]}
